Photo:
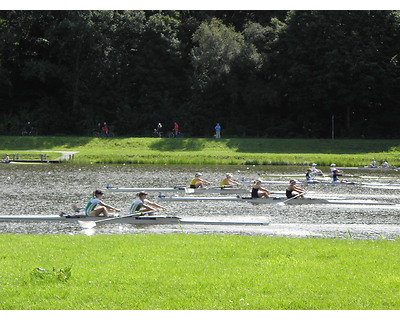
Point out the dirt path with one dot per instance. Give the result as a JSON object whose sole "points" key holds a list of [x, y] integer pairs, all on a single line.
{"points": [[65, 155]]}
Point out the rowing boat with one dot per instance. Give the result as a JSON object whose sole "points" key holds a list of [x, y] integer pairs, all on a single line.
{"points": [[135, 220], [338, 183], [276, 200], [371, 169], [216, 190], [72, 218]]}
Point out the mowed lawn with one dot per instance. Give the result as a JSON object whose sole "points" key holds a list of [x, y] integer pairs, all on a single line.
{"points": [[197, 272]]}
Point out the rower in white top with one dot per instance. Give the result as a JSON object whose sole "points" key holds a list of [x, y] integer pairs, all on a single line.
{"points": [[385, 164], [315, 171], [142, 206], [372, 164], [96, 206]]}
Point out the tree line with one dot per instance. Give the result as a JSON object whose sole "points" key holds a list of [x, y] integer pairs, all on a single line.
{"points": [[257, 73]]}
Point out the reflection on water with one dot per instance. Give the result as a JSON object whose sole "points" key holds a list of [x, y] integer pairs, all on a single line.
{"points": [[54, 188]]}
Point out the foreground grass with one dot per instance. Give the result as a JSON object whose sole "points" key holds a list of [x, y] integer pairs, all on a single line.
{"points": [[188, 272], [197, 151]]}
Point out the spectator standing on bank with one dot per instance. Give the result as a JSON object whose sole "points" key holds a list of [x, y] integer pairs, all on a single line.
{"points": [[176, 130], [217, 131], [105, 129], [99, 129]]}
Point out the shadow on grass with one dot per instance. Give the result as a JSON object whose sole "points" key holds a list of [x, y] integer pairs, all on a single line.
{"points": [[39, 142], [178, 145]]}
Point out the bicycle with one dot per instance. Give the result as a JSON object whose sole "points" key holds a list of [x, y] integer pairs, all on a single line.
{"points": [[102, 134], [157, 134], [31, 132], [172, 134]]}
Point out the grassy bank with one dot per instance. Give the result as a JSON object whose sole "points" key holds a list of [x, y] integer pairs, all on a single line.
{"points": [[210, 151], [180, 271]]}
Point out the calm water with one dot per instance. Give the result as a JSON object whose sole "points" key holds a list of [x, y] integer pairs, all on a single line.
{"points": [[54, 188]]}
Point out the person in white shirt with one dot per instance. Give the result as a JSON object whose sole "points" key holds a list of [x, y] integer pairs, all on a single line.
{"points": [[314, 170], [142, 206], [385, 164], [97, 207]]}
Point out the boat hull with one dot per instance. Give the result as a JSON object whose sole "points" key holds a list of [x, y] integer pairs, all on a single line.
{"points": [[142, 220], [371, 169], [217, 190], [75, 218], [248, 199], [296, 201]]}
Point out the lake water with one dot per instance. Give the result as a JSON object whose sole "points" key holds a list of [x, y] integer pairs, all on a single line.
{"points": [[53, 188]]}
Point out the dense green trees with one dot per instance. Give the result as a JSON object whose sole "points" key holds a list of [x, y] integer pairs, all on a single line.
{"points": [[258, 73]]}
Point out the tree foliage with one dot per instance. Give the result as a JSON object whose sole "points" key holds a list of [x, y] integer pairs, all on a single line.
{"points": [[257, 73]]}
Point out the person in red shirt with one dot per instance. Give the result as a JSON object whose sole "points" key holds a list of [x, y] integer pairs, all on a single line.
{"points": [[176, 130], [105, 129]]}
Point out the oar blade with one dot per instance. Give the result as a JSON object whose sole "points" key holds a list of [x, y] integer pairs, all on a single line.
{"points": [[87, 224]]}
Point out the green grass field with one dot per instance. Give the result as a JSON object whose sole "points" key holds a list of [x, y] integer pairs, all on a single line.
{"points": [[199, 151], [196, 272]]}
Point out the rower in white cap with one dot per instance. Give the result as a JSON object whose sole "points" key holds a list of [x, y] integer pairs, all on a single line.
{"points": [[228, 182], [197, 182]]}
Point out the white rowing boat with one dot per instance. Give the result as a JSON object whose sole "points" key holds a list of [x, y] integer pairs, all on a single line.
{"points": [[276, 200], [331, 183], [216, 190], [371, 169], [135, 220]]}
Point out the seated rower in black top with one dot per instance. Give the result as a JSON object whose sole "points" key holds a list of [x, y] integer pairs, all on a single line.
{"points": [[293, 188], [259, 192]]}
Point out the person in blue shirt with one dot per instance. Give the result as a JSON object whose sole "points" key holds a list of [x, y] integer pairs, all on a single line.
{"points": [[217, 131]]}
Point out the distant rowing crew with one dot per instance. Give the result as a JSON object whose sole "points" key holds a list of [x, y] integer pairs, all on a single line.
{"points": [[257, 190]]}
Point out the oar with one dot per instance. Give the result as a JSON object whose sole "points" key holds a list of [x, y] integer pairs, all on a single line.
{"points": [[76, 208], [283, 202], [92, 224]]}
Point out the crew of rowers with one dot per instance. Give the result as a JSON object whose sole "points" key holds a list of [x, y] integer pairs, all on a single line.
{"points": [[257, 191], [334, 172], [141, 206], [373, 164]]}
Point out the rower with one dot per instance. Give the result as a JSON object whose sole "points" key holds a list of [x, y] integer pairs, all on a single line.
{"points": [[314, 170], [335, 178], [335, 170], [259, 192], [142, 206], [309, 178], [97, 207], [335, 173], [299, 193], [6, 159], [197, 182], [372, 164], [228, 182], [385, 164]]}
